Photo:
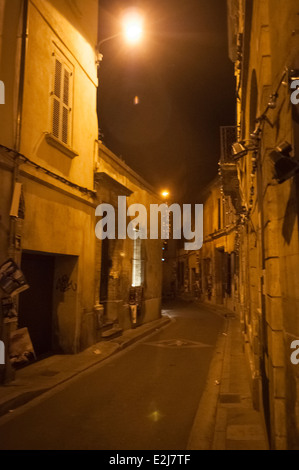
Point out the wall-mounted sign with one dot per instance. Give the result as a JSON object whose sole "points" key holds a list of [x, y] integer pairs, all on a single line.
{"points": [[17, 209], [12, 280], [9, 311]]}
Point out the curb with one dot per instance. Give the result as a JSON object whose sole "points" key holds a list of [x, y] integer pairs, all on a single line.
{"points": [[121, 343], [238, 425], [226, 418], [204, 425]]}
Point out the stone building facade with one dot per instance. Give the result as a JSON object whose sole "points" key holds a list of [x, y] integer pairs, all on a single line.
{"points": [[211, 273], [48, 65], [49, 165], [264, 46], [126, 269]]}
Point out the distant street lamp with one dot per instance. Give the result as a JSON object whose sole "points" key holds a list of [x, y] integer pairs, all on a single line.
{"points": [[133, 27], [132, 30]]}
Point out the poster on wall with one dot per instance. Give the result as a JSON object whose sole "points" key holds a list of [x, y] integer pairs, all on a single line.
{"points": [[21, 350], [12, 280], [9, 310]]}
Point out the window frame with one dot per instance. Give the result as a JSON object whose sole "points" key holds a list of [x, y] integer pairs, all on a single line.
{"points": [[66, 67], [138, 263]]}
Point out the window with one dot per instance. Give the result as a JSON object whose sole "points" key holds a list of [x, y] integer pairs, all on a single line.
{"points": [[219, 214], [62, 100], [138, 264]]}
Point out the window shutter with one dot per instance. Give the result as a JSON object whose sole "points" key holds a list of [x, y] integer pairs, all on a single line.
{"points": [[61, 97], [66, 87], [56, 117], [57, 83], [57, 94], [65, 125], [65, 112]]}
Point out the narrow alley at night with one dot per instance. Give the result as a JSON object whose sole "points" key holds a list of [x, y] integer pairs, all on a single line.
{"points": [[149, 236], [148, 387]]}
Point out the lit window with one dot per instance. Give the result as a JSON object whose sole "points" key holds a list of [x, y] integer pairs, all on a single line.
{"points": [[138, 264]]}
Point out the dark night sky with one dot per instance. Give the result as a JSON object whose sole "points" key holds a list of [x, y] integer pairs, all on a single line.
{"points": [[184, 80]]}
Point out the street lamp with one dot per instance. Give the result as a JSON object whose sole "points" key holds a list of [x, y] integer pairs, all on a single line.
{"points": [[133, 27], [132, 30]]}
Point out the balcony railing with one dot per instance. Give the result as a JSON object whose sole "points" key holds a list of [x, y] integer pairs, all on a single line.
{"points": [[228, 136], [229, 172]]}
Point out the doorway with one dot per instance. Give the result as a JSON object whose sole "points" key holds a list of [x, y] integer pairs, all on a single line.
{"points": [[36, 304], [105, 270]]}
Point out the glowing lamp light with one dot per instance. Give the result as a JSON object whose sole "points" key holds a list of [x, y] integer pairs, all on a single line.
{"points": [[165, 193], [133, 27], [155, 416]]}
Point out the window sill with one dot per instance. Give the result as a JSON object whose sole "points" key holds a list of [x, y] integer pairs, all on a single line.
{"points": [[56, 143]]}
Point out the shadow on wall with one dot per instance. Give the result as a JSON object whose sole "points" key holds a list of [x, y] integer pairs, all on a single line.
{"points": [[292, 211]]}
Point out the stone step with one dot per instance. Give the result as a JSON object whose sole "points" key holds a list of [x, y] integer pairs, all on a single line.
{"points": [[112, 333], [107, 326]]}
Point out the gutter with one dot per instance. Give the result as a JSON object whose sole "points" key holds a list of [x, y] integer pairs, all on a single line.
{"points": [[17, 145], [25, 31], [9, 373]]}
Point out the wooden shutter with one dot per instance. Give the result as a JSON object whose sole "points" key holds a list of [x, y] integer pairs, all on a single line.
{"points": [[65, 125], [56, 99], [61, 101], [56, 117], [66, 87], [65, 106], [57, 81]]}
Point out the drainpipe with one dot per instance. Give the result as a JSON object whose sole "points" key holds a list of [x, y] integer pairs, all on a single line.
{"points": [[15, 225], [17, 144], [22, 74]]}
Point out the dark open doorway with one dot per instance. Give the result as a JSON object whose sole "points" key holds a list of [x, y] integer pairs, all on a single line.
{"points": [[105, 269], [36, 304]]}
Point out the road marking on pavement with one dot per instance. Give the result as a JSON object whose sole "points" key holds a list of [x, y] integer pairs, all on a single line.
{"points": [[178, 343]]}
